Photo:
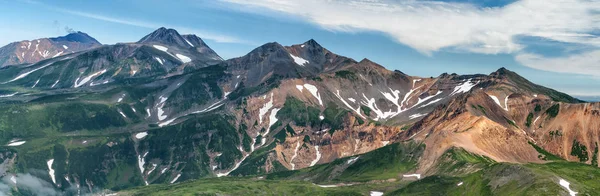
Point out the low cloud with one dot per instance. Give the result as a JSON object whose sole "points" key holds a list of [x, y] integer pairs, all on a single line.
{"points": [[27, 183]]}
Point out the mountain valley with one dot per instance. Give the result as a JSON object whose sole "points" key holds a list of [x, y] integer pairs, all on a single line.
{"points": [[167, 115]]}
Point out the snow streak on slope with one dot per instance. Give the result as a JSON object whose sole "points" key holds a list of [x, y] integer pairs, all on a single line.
{"points": [[175, 179], [188, 42], [29, 72], [314, 162], [295, 154], [36, 82], [51, 171], [272, 120], [357, 110], [16, 143], [8, 95], [88, 78], [262, 111], [159, 60]]}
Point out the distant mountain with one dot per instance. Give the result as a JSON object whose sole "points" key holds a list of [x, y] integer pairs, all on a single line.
{"points": [[168, 109], [25, 52]]}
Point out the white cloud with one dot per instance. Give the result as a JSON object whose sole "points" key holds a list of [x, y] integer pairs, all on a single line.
{"points": [[430, 26], [587, 63]]}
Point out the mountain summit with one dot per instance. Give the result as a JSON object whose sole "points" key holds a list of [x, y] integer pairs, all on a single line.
{"points": [[167, 37], [79, 37], [25, 52]]}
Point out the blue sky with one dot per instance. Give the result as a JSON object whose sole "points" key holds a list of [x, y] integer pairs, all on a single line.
{"points": [[554, 43]]}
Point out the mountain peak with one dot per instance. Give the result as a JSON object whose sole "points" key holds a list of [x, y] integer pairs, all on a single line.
{"points": [[313, 43], [165, 36], [78, 36]]}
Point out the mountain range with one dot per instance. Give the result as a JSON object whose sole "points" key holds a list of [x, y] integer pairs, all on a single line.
{"points": [[169, 112]]}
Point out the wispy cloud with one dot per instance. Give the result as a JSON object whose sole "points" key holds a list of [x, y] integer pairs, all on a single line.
{"points": [[586, 63], [430, 26], [144, 24]]}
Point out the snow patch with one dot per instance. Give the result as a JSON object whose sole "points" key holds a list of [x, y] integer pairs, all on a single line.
{"points": [[88, 78], [141, 135], [13, 179], [65, 47], [57, 54], [120, 98], [159, 60], [314, 91], [351, 160], [300, 87], [375, 193], [166, 122], [464, 87], [183, 58], [327, 186], [321, 117], [314, 162], [416, 116], [163, 170], [298, 60], [302, 46], [352, 100], [160, 113], [141, 162], [161, 48], [506, 103], [50, 170], [16, 143], [122, 114], [567, 185], [459, 184], [175, 179], [385, 143], [418, 176]]}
